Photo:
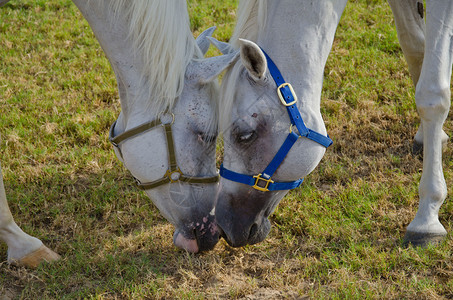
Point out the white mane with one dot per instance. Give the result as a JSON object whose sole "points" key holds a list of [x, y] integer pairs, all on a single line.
{"points": [[251, 18], [160, 32], [249, 24]]}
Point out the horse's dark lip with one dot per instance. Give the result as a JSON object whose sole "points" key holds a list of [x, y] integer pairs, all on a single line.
{"points": [[219, 230], [225, 237], [197, 237], [222, 233], [227, 240]]}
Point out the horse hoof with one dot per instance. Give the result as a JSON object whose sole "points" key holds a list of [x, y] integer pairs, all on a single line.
{"points": [[418, 239], [32, 260]]}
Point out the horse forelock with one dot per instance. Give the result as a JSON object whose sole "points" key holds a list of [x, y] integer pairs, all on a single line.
{"points": [[250, 22], [160, 32]]}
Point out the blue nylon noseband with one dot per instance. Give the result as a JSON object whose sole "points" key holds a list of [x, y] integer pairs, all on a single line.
{"points": [[263, 181]]}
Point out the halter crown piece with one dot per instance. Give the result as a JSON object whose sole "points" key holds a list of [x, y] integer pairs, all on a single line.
{"points": [[173, 173], [262, 181]]}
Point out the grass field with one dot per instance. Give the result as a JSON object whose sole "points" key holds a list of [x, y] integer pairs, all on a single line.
{"points": [[336, 237]]}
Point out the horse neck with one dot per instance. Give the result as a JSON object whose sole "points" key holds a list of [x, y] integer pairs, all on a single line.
{"points": [[299, 38], [140, 100]]}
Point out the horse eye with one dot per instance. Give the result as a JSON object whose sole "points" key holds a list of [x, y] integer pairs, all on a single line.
{"points": [[246, 137]]}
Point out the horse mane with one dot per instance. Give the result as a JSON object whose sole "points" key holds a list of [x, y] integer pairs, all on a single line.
{"points": [[250, 21], [160, 33]]}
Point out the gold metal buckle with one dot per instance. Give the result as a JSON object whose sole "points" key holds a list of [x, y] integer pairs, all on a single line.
{"points": [[280, 95], [169, 174], [259, 188]]}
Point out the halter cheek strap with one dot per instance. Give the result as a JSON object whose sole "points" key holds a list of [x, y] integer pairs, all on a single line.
{"points": [[288, 98], [173, 173]]}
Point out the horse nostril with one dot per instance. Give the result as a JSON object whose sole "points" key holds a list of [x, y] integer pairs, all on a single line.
{"points": [[253, 231]]}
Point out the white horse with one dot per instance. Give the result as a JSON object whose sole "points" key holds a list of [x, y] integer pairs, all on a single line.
{"points": [[259, 128], [166, 132]]}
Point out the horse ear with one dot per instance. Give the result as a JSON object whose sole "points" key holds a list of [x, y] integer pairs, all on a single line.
{"points": [[223, 47], [253, 59], [208, 69], [202, 41]]}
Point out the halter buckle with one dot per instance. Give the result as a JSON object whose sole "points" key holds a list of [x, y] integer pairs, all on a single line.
{"points": [[280, 95], [258, 179], [173, 175]]}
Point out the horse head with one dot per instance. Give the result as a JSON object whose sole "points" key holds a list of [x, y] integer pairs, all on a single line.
{"points": [[264, 155], [174, 162]]}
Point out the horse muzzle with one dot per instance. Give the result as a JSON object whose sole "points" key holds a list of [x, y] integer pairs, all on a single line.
{"points": [[243, 220], [198, 236]]}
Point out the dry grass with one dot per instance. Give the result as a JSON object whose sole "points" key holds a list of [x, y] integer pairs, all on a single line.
{"points": [[336, 237]]}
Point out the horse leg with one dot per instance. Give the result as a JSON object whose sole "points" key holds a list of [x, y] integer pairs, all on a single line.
{"points": [[23, 249], [410, 26], [432, 97]]}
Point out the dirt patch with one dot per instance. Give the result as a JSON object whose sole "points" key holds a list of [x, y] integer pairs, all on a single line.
{"points": [[8, 294], [265, 293]]}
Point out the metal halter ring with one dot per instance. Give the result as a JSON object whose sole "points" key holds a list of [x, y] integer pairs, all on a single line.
{"points": [[162, 116], [291, 129], [173, 175]]}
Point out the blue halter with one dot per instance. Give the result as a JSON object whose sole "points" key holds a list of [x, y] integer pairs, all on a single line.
{"points": [[263, 182]]}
